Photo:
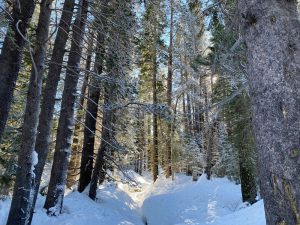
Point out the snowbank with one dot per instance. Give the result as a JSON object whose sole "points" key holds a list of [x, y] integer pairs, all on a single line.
{"points": [[114, 207], [166, 202]]}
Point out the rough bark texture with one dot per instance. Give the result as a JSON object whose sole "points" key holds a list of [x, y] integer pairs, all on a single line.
{"points": [[86, 167], [74, 165], [62, 152], [24, 186], [47, 107], [11, 55], [271, 30]]}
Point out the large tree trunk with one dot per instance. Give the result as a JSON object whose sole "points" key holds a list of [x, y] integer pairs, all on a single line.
{"points": [[47, 107], [74, 165], [11, 55], [271, 30], [168, 156], [24, 186], [58, 178], [86, 167]]}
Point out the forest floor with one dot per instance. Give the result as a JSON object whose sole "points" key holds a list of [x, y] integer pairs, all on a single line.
{"points": [[167, 202]]}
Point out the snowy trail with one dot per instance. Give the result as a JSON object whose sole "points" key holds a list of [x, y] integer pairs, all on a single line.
{"points": [[182, 201], [167, 202]]}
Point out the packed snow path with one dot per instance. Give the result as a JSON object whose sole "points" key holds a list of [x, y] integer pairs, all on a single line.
{"points": [[167, 202]]}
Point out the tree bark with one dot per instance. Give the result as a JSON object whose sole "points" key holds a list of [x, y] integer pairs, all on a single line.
{"points": [[11, 56], [271, 30], [86, 167], [24, 186], [168, 156], [155, 122], [107, 136], [140, 142], [149, 143], [74, 165], [57, 183], [43, 139]]}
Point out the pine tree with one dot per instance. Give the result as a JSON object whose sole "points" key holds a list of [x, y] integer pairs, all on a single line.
{"points": [[58, 177], [271, 33], [24, 186], [43, 138], [11, 55], [86, 167]]}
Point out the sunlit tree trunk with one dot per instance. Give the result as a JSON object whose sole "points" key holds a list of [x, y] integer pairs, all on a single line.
{"points": [[74, 165], [44, 139], [271, 30], [62, 152]]}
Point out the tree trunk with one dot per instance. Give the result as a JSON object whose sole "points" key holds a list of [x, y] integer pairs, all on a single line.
{"points": [[209, 148], [168, 156], [107, 135], [74, 164], [149, 141], [43, 139], [57, 183], [271, 30], [87, 155], [11, 55], [24, 186], [140, 141], [155, 123], [248, 184]]}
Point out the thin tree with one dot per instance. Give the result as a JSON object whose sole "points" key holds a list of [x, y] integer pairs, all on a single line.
{"points": [[107, 135], [155, 117], [87, 155], [168, 156]]}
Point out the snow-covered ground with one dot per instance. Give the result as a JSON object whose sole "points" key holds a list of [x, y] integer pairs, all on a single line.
{"points": [[178, 202]]}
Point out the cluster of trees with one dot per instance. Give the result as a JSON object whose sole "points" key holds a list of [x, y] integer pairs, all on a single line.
{"points": [[186, 86]]}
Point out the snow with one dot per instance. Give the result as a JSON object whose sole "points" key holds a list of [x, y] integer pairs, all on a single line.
{"points": [[214, 202], [4, 208], [34, 161], [166, 202]]}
